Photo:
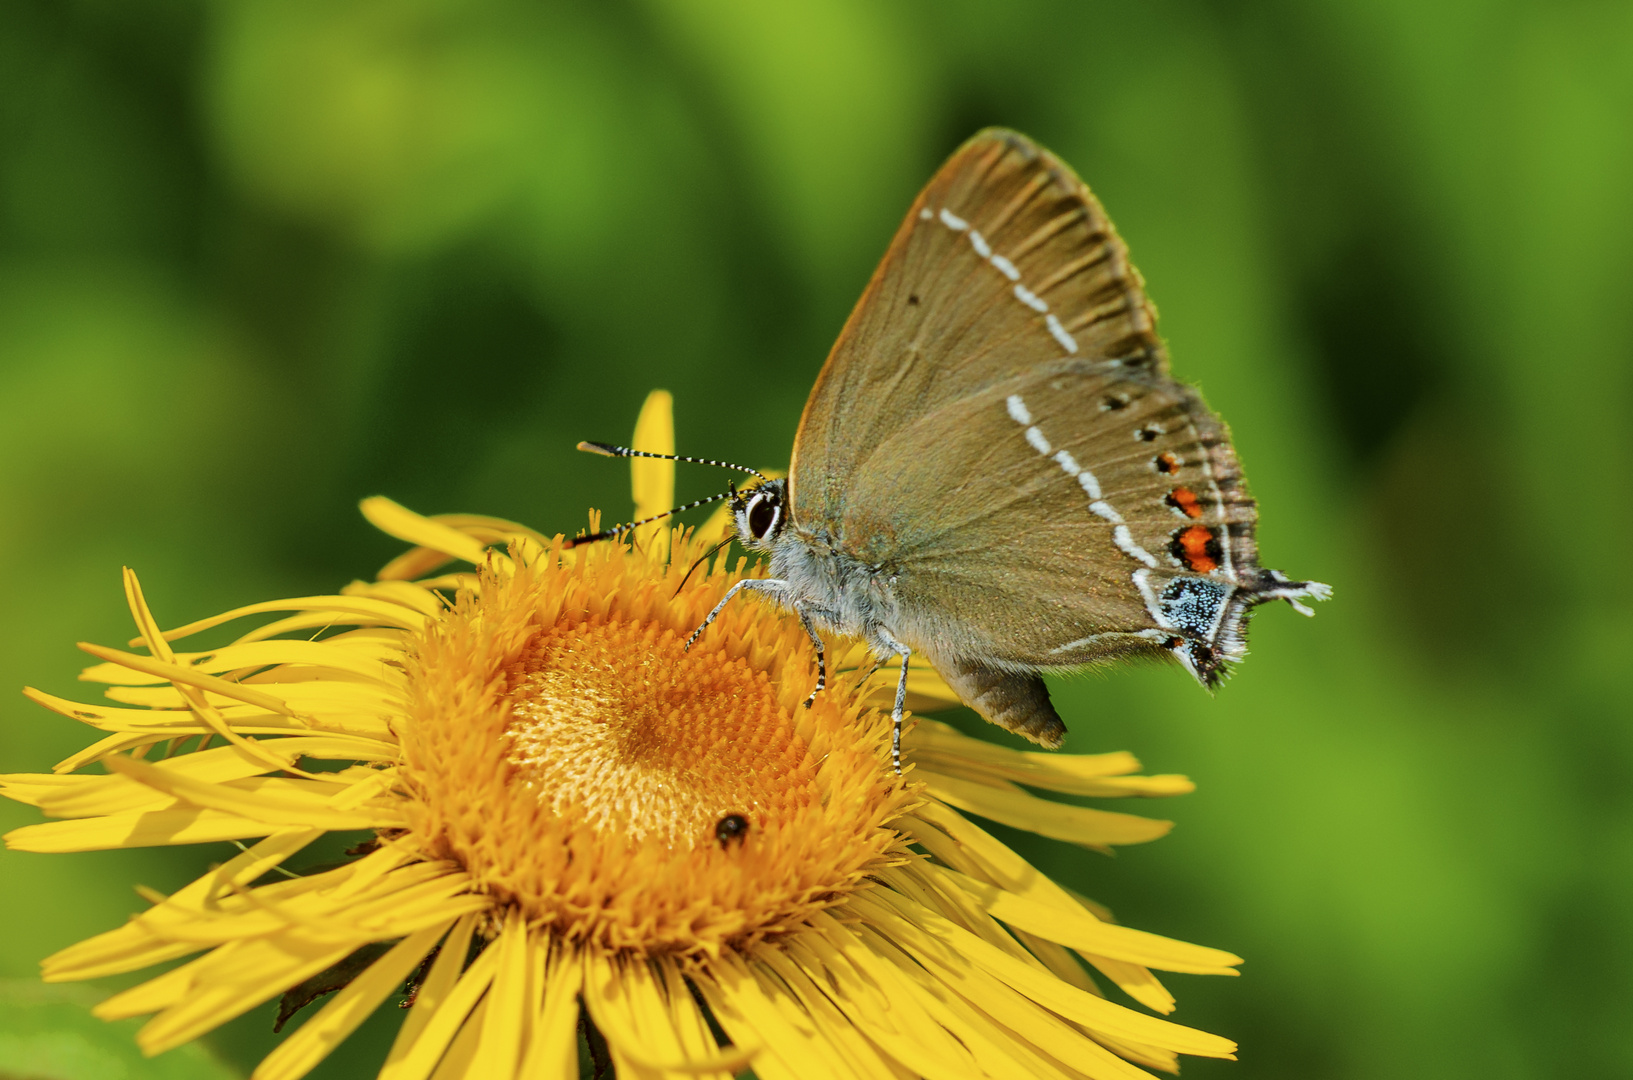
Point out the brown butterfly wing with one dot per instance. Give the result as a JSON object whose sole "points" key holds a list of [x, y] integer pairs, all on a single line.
{"points": [[1002, 230], [1018, 543], [1004, 351]]}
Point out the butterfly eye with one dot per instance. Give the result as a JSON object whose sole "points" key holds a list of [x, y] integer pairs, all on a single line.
{"points": [[762, 517]]}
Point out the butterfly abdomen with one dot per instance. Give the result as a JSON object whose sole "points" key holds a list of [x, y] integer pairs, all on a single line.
{"points": [[1014, 700]]}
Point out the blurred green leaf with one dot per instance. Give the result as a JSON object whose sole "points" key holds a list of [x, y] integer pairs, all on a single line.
{"points": [[48, 1033]]}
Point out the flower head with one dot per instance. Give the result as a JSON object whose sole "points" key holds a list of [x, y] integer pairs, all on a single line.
{"points": [[567, 752], [569, 810]]}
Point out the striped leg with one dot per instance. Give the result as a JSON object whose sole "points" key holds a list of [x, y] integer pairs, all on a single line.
{"points": [[821, 656], [772, 586], [887, 644]]}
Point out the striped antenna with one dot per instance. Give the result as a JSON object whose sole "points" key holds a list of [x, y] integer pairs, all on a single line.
{"points": [[608, 534], [609, 450]]}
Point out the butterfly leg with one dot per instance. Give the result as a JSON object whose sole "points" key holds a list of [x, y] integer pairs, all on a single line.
{"points": [[884, 643], [821, 657], [773, 586]]}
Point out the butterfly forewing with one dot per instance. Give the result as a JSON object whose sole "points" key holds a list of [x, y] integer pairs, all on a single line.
{"points": [[1004, 262]]}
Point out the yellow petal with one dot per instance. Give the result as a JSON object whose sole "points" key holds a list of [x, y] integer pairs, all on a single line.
{"points": [[171, 672], [277, 802], [970, 848], [853, 1048], [629, 1008], [397, 520], [1152, 1057], [435, 987], [114, 952], [1059, 821], [188, 683], [552, 1051], [698, 1045], [134, 945], [504, 1028], [415, 596], [107, 717], [122, 744], [491, 531], [342, 610], [927, 935], [938, 889], [228, 984], [149, 997], [745, 1009], [1083, 932], [370, 870], [996, 1052], [459, 1062], [299, 1053], [881, 1002], [1059, 959], [391, 581], [329, 658], [652, 480], [420, 1045], [146, 624], [157, 828], [85, 796], [1137, 982], [414, 564], [398, 907], [941, 747]]}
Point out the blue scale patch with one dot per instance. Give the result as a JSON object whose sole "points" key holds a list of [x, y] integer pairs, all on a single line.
{"points": [[1192, 605]]}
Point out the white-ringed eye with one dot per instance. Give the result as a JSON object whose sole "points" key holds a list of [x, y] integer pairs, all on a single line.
{"points": [[763, 514]]}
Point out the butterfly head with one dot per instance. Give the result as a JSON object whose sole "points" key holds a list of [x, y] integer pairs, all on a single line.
{"points": [[760, 514]]}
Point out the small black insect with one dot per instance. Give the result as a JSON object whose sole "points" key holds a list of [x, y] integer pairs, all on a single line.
{"points": [[731, 829]]}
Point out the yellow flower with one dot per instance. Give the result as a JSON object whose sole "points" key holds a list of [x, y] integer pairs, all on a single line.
{"points": [[569, 810]]}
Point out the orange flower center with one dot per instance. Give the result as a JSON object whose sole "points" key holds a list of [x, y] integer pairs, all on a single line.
{"points": [[578, 763], [665, 747]]}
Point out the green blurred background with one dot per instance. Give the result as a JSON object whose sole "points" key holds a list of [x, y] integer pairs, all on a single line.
{"points": [[260, 259]]}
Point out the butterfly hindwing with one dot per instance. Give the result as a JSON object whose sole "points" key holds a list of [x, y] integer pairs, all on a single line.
{"points": [[1051, 502]]}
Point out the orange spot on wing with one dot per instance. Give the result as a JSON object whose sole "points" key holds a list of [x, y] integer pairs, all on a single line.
{"points": [[1198, 548], [1185, 501]]}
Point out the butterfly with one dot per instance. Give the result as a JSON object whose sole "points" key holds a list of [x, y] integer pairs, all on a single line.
{"points": [[995, 469]]}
